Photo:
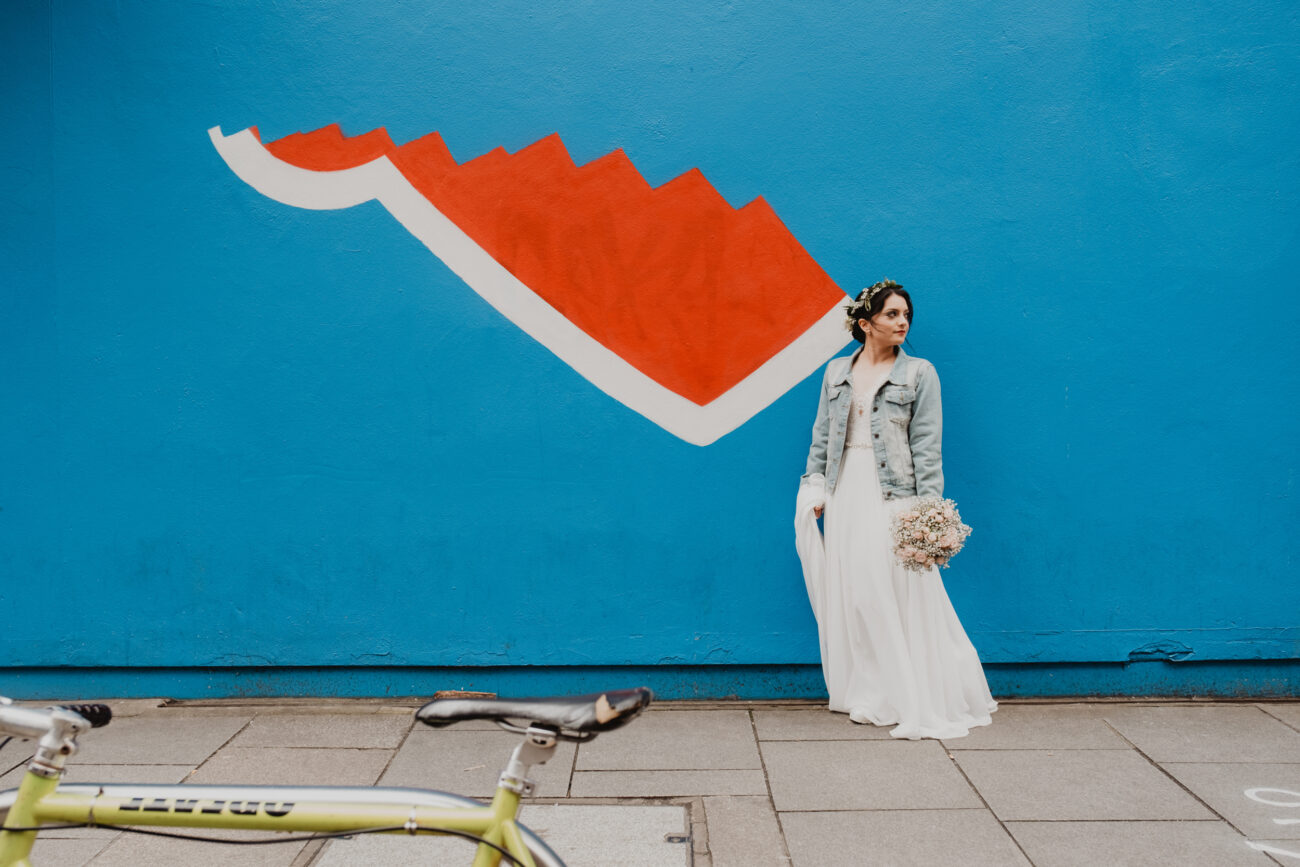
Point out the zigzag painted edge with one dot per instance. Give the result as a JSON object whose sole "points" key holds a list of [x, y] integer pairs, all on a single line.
{"points": [[380, 180]]}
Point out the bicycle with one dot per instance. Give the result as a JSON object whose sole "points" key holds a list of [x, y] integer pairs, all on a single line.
{"points": [[322, 812]]}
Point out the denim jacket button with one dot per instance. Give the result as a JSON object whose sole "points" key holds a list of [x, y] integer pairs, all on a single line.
{"points": [[882, 463]]}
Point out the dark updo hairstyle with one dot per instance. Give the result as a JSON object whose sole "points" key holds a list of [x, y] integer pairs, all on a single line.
{"points": [[871, 301]]}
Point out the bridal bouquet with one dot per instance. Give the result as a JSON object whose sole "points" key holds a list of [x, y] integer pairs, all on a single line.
{"points": [[927, 533]]}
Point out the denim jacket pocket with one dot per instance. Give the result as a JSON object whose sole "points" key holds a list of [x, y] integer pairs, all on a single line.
{"points": [[899, 451], [900, 394]]}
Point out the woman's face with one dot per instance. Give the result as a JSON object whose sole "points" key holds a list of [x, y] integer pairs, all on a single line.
{"points": [[889, 326]]}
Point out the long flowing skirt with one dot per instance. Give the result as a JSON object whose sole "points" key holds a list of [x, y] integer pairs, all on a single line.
{"points": [[893, 650]]}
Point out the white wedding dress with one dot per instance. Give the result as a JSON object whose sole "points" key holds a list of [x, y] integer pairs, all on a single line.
{"points": [[893, 651]]}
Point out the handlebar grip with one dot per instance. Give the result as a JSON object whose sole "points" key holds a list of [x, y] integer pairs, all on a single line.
{"points": [[98, 715]]}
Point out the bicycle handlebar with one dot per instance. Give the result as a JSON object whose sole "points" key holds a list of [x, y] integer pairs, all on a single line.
{"points": [[98, 715], [33, 722], [54, 728]]}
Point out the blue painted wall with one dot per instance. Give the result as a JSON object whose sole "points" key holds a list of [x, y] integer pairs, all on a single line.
{"points": [[242, 434]]}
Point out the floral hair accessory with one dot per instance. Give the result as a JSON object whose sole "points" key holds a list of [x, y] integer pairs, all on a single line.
{"points": [[858, 309]]}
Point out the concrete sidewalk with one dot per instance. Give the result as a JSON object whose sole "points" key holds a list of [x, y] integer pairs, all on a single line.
{"points": [[748, 783]]}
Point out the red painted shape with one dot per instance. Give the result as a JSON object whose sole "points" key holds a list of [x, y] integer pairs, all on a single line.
{"points": [[328, 150], [690, 291]]}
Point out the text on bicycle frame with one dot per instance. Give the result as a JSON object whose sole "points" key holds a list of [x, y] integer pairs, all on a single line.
{"points": [[275, 809]]}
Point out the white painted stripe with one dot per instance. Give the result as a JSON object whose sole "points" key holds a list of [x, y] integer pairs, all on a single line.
{"points": [[380, 179]]}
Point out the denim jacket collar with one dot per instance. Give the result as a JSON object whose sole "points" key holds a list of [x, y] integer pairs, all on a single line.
{"points": [[897, 373]]}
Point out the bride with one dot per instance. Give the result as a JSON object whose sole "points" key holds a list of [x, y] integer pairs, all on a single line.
{"points": [[893, 651]]}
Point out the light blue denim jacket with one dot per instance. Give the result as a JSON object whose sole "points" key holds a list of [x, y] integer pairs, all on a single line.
{"points": [[906, 427]]}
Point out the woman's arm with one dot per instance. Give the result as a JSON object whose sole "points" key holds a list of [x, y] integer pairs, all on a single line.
{"points": [[821, 430], [815, 471], [926, 434]]}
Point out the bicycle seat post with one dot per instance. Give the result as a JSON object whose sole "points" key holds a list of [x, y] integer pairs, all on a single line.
{"points": [[537, 748]]}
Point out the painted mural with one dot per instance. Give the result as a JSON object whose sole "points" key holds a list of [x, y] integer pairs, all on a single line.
{"points": [[340, 404], [693, 313]]}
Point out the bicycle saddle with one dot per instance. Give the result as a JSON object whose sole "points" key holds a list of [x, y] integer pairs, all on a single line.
{"points": [[600, 712]]}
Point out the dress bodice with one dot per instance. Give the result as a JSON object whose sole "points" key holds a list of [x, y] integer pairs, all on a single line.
{"points": [[858, 435]]}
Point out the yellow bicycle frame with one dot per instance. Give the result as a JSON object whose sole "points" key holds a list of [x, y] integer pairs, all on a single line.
{"points": [[316, 809]]}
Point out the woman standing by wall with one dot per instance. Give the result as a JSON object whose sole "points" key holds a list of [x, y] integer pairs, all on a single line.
{"points": [[893, 650]]}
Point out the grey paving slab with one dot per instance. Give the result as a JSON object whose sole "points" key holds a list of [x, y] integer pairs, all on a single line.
{"points": [[130, 850], [223, 709], [582, 835], [293, 767], [13, 761], [1042, 727], [1076, 784], [900, 838], [469, 763], [1288, 713], [1140, 844], [371, 730], [69, 852], [349, 707], [1216, 733], [662, 784], [744, 832], [83, 773], [13, 753], [627, 836], [160, 738], [676, 740], [864, 775], [1250, 796], [812, 724]]}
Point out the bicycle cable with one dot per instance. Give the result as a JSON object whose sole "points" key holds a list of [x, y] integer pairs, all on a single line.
{"points": [[4, 743], [301, 838]]}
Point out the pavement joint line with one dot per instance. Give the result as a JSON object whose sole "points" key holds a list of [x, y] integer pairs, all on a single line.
{"points": [[1271, 764], [278, 748], [952, 757], [1208, 821], [309, 853], [573, 768], [406, 737], [697, 827], [227, 743], [767, 784], [1038, 749], [906, 810], [612, 801], [1197, 798], [1278, 718], [657, 770]]}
